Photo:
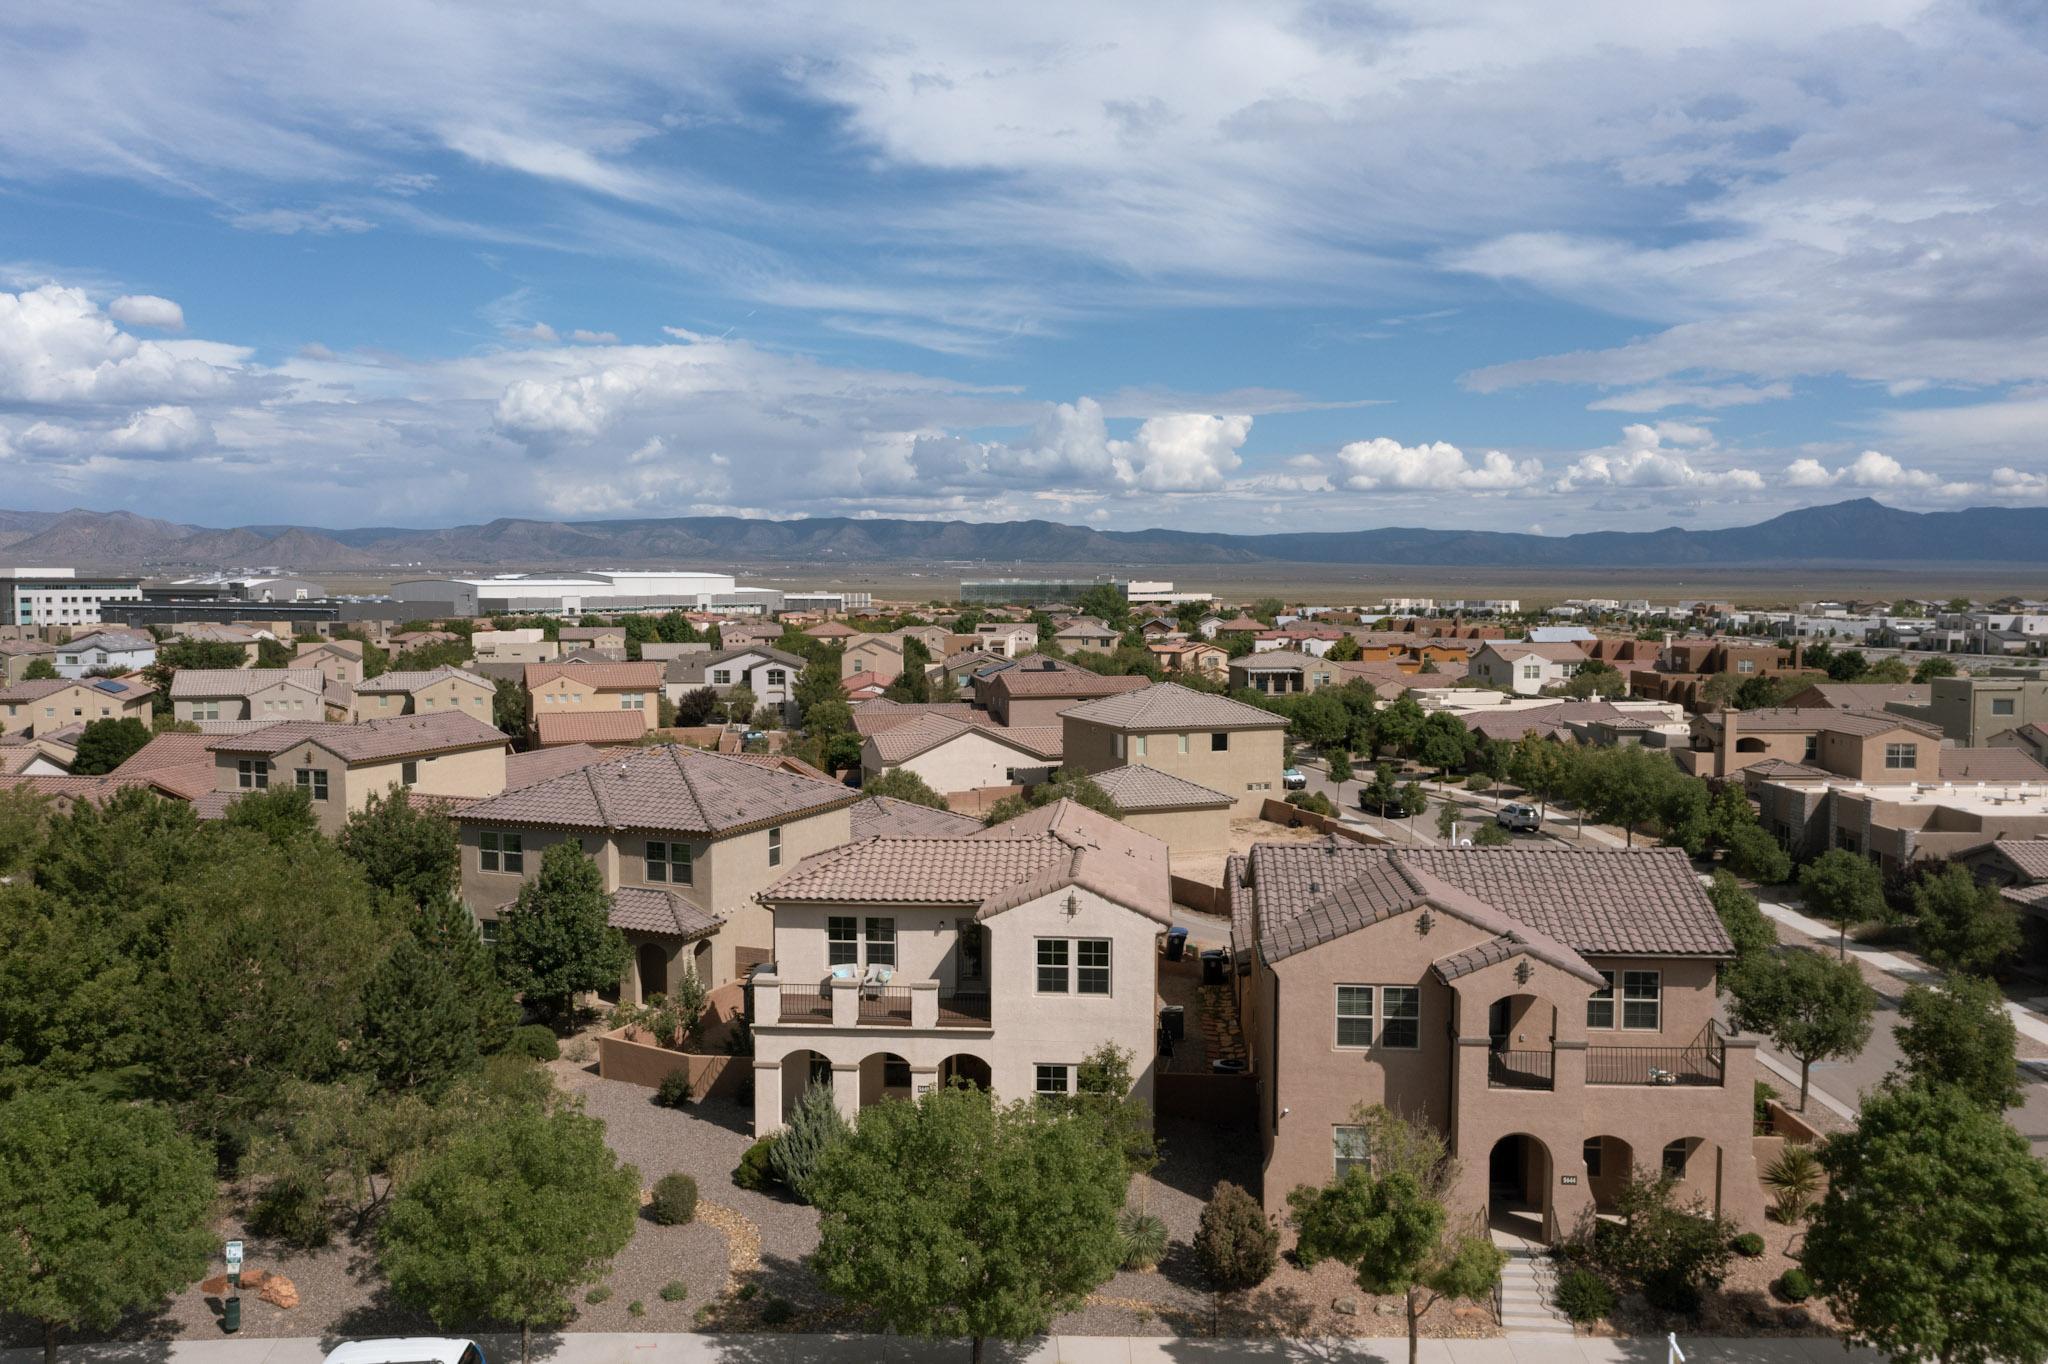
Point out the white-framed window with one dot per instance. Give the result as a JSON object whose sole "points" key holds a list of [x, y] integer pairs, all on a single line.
{"points": [[721, 677], [1743, 665], [313, 781], [1050, 1079], [1138, 746], [1347, 1149], [777, 676], [1183, 742], [1902, 755], [1074, 966], [500, 851], [842, 940], [252, 774], [2001, 705], [878, 940], [1053, 960], [1642, 1000], [633, 700], [488, 930], [1354, 1017], [775, 847], [669, 862], [1532, 672], [1091, 966], [409, 773], [1600, 1004]]}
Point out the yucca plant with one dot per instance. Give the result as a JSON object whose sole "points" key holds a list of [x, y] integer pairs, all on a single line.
{"points": [[1794, 1181]]}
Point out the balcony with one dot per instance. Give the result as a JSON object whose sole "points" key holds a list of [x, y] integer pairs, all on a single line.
{"points": [[1695, 1065], [1521, 1069], [856, 1004]]}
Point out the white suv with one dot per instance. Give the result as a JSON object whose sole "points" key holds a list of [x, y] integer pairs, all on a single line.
{"points": [[1523, 817], [407, 1350]]}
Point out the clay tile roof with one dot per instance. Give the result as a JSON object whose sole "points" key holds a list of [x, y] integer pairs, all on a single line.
{"points": [[1521, 648], [181, 764], [1170, 706], [590, 727], [1800, 719], [1547, 721], [643, 909], [888, 817], [831, 629], [1869, 695], [36, 690], [370, 740], [2028, 897], [861, 681], [1590, 902], [2028, 856], [73, 788], [1274, 661], [414, 681], [1030, 677], [190, 683], [603, 676], [542, 764], [1240, 624], [589, 631], [668, 789], [1058, 845], [1136, 789], [785, 762], [882, 714], [1990, 764], [902, 742]]}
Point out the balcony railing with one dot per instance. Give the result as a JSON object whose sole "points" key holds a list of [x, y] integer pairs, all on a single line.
{"points": [[1701, 1063], [963, 1009], [885, 1006], [804, 1006], [1520, 1069]]}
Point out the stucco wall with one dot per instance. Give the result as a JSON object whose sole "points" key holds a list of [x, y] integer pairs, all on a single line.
{"points": [[450, 693], [1186, 833], [967, 762], [1248, 771]]}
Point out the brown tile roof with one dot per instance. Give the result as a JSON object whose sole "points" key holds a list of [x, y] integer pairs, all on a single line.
{"points": [[888, 817], [590, 726], [1275, 660], [2028, 856], [1521, 648], [73, 788], [784, 762], [642, 909], [1169, 706], [1137, 789], [1595, 902], [881, 714], [190, 683], [1800, 719], [902, 742], [668, 788], [832, 629], [119, 687], [590, 631], [414, 681], [1062, 844], [179, 763], [14, 758], [1240, 624], [1990, 764], [1862, 695], [603, 676], [1032, 678], [543, 764], [370, 740]]}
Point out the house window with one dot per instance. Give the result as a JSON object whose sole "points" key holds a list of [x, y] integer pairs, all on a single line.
{"points": [[1593, 1150], [881, 942], [1674, 1158], [1354, 1020], [970, 950], [253, 774], [1116, 746], [500, 851], [669, 862], [1138, 746], [1052, 966], [1902, 755], [775, 847], [1091, 966], [1642, 1000], [2001, 705], [409, 773], [1347, 1150], [777, 676], [488, 929], [1745, 665], [1600, 1005], [1219, 742], [842, 940], [1532, 672], [1812, 747], [1183, 744], [313, 781], [633, 700], [721, 676], [1053, 1079], [1401, 1017]]}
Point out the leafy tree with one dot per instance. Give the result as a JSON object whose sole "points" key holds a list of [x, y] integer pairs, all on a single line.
{"points": [[106, 744], [508, 706], [1235, 1242], [1930, 668], [40, 670], [22, 815], [1381, 793], [283, 815], [1595, 678], [1102, 1095], [434, 1006], [737, 701], [903, 784], [509, 1220], [1321, 721], [1748, 929], [1887, 670], [697, 707], [1963, 926], [105, 1207], [336, 1152], [1399, 723], [1069, 783], [1930, 1242], [1753, 853], [1345, 650], [817, 687], [953, 1216], [68, 985], [1444, 743], [557, 940], [1847, 666], [1490, 836], [1104, 602], [1385, 1218], [1624, 785], [1844, 888], [274, 653], [1763, 691], [1340, 765], [1414, 800], [1960, 1035], [407, 851], [913, 684], [1537, 767], [1673, 1253], [815, 1127], [1812, 1008], [1447, 818]]}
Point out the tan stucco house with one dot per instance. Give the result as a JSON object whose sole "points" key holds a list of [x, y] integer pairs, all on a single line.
{"points": [[1210, 740], [200, 694], [40, 708], [432, 691], [955, 754], [565, 688], [339, 766]]}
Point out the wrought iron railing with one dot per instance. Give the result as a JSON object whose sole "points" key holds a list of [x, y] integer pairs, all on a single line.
{"points": [[885, 1006], [1521, 1069], [1702, 1063], [804, 1006], [963, 1009]]}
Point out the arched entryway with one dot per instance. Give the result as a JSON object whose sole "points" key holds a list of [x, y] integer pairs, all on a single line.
{"points": [[1518, 1180], [801, 1070], [966, 1070], [652, 959], [1609, 1164], [1521, 1033], [1693, 1165], [884, 1075], [700, 961]]}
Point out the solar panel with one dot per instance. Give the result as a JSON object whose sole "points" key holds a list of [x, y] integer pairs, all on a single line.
{"points": [[108, 684]]}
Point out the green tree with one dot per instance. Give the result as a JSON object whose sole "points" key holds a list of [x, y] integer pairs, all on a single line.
{"points": [[1536, 767], [1069, 783], [1414, 800], [557, 941], [1930, 668], [1753, 853], [1595, 678], [1345, 650], [40, 670], [283, 815], [1891, 670], [68, 987], [1762, 692], [953, 1216], [1932, 1240], [1102, 1095], [1747, 927], [1669, 1251], [106, 744], [818, 685], [1106, 603], [336, 1152], [1235, 1242], [274, 653], [815, 1126], [434, 1005], [1961, 925], [1624, 785], [508, 706], [105, 1207], [1385, 1218], [1447, 818], [404, 850], [22, 815], [1400, 723], [698, 706], [1445, 743], [1960, 1035], [508, 1220], [1321, 721], [1381, 794], [1843, 888], [901, 783], [1812, 1008]]}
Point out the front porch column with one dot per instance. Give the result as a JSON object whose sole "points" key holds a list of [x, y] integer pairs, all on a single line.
{"points": [[845, 1003], [767, 1097], [846, 1089], [924, 1004], [923, 1080]]}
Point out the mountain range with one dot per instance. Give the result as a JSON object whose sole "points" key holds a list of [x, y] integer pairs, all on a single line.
{"points": [[1861, 531]]}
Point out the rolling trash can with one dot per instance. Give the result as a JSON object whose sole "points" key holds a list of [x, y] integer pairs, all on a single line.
{"points": [[1176, 943], [1173, 1021], [1214, 962]]}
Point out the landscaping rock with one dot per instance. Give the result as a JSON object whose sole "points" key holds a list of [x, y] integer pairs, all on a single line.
{"points": [[1346, 1306], [279, 1291]]}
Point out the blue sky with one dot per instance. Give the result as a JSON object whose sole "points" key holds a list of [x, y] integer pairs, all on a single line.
{"points": [[1222, 266]]}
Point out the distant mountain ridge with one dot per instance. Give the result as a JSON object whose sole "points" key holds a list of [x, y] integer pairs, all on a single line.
{"points": [[1862, 531]]}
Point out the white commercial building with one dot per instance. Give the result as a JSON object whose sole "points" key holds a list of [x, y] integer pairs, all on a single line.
{"points": [[572, 594], [58, 596]]}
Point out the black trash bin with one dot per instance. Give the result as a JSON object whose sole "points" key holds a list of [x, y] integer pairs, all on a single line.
{"points": [[1173, 1021], [1215, 963], [1176, 943]]}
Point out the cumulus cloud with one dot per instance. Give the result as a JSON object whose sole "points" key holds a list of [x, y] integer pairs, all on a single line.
{"points": [[1663, 455], [147, 310], [1382, 463], [57, 346], [1181, 452], [158, 431], [1873, 469]]}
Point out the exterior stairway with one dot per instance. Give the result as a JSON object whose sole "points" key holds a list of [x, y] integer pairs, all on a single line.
{"points": [[1528, 1284]]}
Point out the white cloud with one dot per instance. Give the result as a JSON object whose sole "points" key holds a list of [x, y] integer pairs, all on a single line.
{"points": [[289, 222], [147, 310], [1663, 455], [1876, 471], [1181, 452], [1657, 397], [589, 338], [1380, 463], [57, 346], [532, 331], [164, 430]]}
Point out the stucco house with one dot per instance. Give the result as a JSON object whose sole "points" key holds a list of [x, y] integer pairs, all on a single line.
{"points": [[102, 649], [41, 708], [1002, 957], [1524, 668], [563, 688], [1086, 633], [956, 754], [338, 660], [1037, 688], [1209, 740], [1192, 821], [200, 694], [431, 690], [339, 766], [770, 674]]}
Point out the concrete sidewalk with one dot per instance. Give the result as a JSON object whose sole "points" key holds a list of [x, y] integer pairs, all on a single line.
{"points": [[684, 1348]]}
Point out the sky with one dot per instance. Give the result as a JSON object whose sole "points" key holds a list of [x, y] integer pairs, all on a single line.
{"points": [[1251, 266]]}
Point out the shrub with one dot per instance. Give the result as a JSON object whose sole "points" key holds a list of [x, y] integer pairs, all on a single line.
{"points": [[815, 1127], [674, 1089], [746, 1291], [1764, 1093], [636, 1308], [756, 1170], [1144, 1238], [1749, 1245], [1583, 1295], [1671, 1253], [293, 1213], [535, 1041], [675, 1290], [1793, 1285], [1794, 1181], [1315, 802], [675, 1200], [777, 1312], [599, 1294], [1236, 1243]]}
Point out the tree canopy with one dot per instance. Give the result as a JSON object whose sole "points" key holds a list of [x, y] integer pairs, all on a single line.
{"points": [[1960, 1035], [557, 940], [407, 851], [1813, 1008], [1844, 888], [106, 744], [1961, 925]]}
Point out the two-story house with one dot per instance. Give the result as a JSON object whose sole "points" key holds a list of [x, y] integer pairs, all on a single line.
{"points": [[684, 839], [1551, 1011], [1002, 957], [17, 654], [429, 691], [1037, 688], [1523, 668], [770, 674], [1874, 746], [102, 649], [248, 638], [339, 766], [41, 708], [530, 645], [1212, 741], [611, 638], [200, 694], [1086, 633], [1006, 639], [1283, 672], [338, 660], [570, 702], [960, 753]]}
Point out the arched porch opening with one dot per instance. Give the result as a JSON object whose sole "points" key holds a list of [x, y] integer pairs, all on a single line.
{"points": [[800, 1070], [652, 960], [1693, 1165], [966, 1069], [884, 1075], [1518, 1180], [1609, 1163]]}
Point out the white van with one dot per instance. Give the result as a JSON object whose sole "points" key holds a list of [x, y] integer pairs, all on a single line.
{"points": [[408, 1350]]}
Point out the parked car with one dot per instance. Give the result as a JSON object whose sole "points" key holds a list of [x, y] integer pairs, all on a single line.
{"points": [[1293, 779], [1522, 817], [407, 1350]]}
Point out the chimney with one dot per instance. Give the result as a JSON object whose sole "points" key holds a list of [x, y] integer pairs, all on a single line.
{"points": [[1729, 724]]}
